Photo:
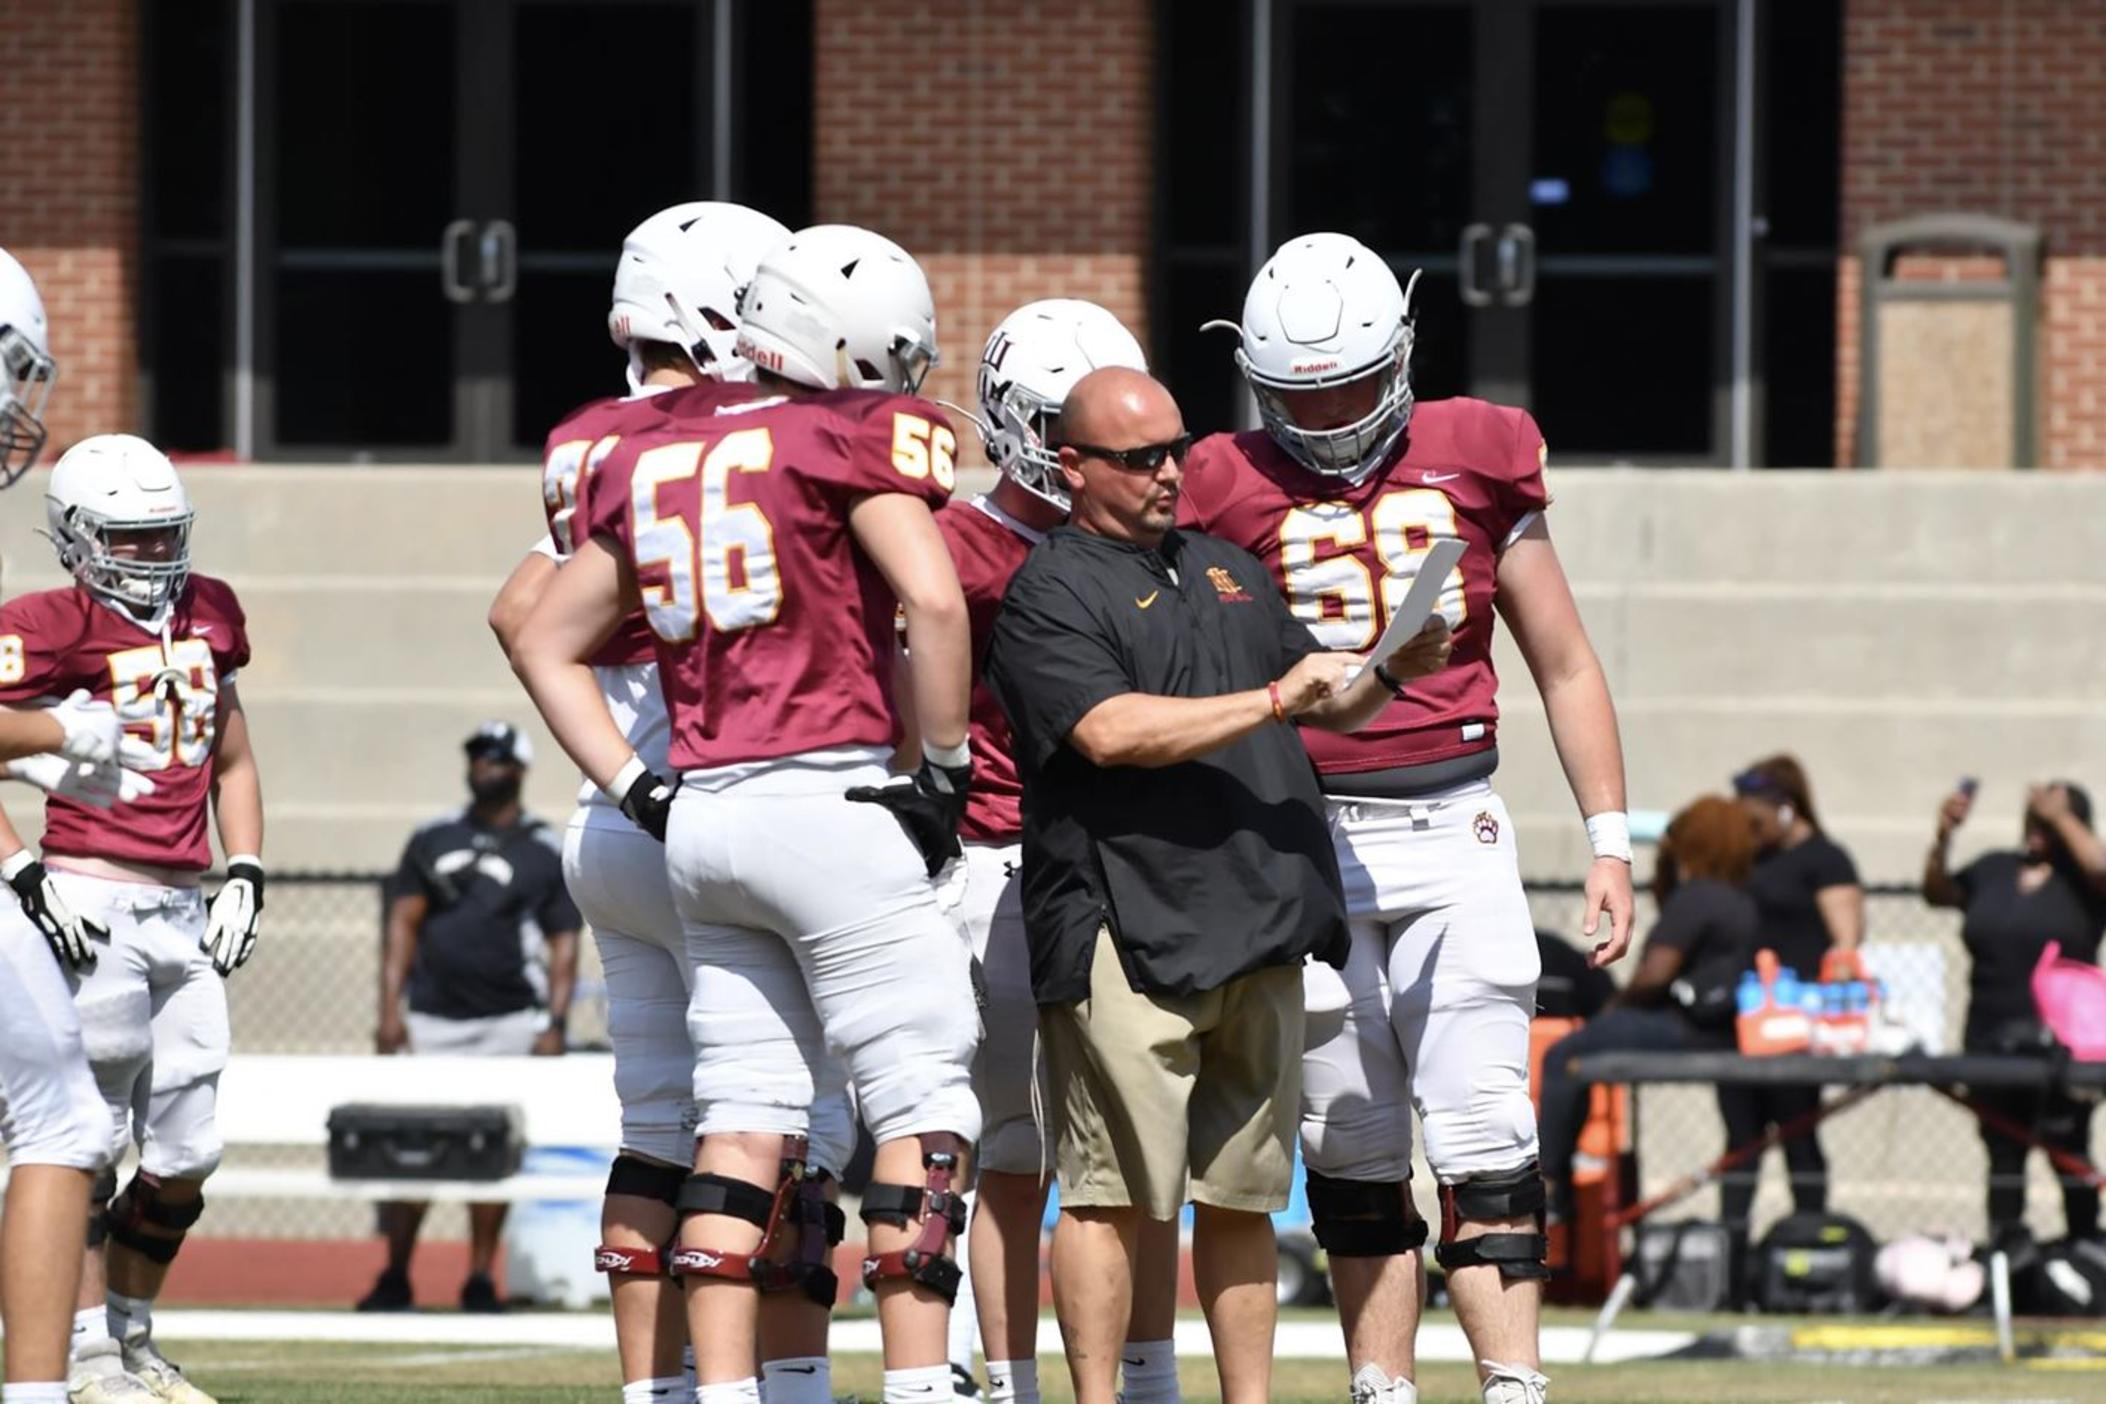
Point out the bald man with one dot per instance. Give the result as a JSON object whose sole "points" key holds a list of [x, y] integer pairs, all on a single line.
{"points": [[1178, 871]]}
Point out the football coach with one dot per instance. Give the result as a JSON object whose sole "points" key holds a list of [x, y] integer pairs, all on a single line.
{"points": [[1177, 873]]}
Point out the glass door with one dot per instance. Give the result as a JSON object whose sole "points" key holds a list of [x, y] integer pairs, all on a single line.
{"points": [[443, 190], [1560, 170]]}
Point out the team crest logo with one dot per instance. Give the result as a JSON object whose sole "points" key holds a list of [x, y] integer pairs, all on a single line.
{"points": [[1485, 827], [1225, 585]]}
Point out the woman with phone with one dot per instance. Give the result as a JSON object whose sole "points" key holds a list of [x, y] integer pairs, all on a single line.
{"points": [[2052, 888]]}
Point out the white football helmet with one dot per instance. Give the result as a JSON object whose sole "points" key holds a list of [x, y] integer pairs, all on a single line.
{"points": [[680, 278], [1032, 361], [121, 521], [26, 370], [839, 307], [1325, 310]]}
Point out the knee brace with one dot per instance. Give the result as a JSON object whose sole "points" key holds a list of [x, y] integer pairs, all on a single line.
{"points": [[798, 1202], [1362, 1218], [141, 1204], [1502, 1195], [99, 1196], [640, 1179], [942, 1214]]}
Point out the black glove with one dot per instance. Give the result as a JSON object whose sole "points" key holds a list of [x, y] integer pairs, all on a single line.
{"points": [[928, 804], [67, 935], [649, 803]]}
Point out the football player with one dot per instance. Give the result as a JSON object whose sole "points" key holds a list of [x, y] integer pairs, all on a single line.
{"points": [[51, 1115], [162, 646], [1032, 360], [675, 311], [1342, 493], [769, 541]]}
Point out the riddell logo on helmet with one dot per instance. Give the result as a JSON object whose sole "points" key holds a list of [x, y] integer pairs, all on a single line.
{"points": [[760, 356], [1314, 367]]}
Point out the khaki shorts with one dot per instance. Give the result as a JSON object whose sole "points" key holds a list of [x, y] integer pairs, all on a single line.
{"points": [[1166, 1098]]}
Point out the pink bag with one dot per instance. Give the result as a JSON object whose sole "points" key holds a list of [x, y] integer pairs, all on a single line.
{"points": [[2072, 1000]]}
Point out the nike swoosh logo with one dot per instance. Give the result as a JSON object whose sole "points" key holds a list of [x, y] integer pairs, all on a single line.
{"points": [[797, 1369], [1147, 602], [1135, 1363], [1440, 477]]}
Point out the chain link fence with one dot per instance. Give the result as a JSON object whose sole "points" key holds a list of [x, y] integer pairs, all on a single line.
{"points": [[1903, 1161]]}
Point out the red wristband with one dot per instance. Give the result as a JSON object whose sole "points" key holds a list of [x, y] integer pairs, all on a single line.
{"points": [[1279, 712]]}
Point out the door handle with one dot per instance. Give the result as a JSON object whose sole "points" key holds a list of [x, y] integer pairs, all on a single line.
{"points": [[500, 258], [1473, 292], [450, 261], [1517, 264]]}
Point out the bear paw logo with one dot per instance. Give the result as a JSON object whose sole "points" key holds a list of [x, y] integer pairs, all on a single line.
{"points": [[1485, 827]]}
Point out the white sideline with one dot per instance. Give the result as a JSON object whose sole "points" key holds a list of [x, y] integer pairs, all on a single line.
{"points": [[1294, 1340]]}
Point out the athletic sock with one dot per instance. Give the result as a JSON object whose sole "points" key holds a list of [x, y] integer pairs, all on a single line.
{"points": [[919, 1385], [746, 1391], [53, 1392], [90, 1324], [687, 1371], [131, 1318], [1148, 1372], [670, 1389], [1012, 1382], [800, 1379]]}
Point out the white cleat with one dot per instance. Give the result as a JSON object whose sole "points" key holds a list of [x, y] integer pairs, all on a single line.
{"points": [[96, 1375], [162, 1376], [1372, 1385], [1514, 1384]]}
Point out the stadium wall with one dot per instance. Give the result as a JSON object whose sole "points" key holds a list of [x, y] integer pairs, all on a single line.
{"points": [[1896, 630]]}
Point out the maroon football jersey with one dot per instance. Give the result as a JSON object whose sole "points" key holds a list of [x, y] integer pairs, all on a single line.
{"points": [[55, 641], [1345, 554], [576, 448], [987, 549], [775, 633]]}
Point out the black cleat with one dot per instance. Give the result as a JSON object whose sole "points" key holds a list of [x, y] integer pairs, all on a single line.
{"points": [[479, 1294], [391, 1292]]}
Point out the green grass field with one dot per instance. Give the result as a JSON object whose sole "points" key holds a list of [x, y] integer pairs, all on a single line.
{"points": [[296, 1373]]}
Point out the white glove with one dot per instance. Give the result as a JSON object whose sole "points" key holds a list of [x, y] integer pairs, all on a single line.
{"points": [[67, 935], [231, 916], [93, 731], [98, 785]]}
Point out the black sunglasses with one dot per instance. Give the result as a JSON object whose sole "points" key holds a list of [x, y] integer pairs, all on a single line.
{"points": [[1145, 458]]}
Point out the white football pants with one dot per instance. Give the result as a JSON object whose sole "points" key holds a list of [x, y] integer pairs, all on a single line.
{"points": [[51, 1112]]}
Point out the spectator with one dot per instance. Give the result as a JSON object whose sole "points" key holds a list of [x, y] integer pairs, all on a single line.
{"points": [[1807, 893], [2052, 889], [1571, 986], [1177, 872], [1681, 995], [474, 894]]}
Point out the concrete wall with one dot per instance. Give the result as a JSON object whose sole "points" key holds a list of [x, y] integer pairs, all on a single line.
{"points": [[1895, 630]]}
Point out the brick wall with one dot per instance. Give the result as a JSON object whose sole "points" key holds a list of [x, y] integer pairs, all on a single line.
{"points": [[69, 194], [1991, 106], [1005, 143]]}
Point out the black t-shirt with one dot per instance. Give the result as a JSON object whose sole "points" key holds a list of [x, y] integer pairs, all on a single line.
{"points": [[494, 895], [1569, 988], [1783, 887], [2005, 931], [1205, 870], [1713, 925]]}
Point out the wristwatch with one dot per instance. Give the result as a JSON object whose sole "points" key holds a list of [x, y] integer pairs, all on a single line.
{"points": [[1389, 680]]}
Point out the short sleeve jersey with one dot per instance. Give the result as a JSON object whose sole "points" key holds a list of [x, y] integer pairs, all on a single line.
{"points": [[576, 448], [775, 632], [1345, 554], [167, 693], [2006, 929], [1713, 925], [1786, 885], [492, 895], [987, 549]]}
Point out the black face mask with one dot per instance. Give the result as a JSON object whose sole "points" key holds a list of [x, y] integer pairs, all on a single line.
{"points": [[495, 791]]}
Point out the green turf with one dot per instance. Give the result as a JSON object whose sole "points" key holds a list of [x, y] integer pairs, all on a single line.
{"points": [[297, 1373]]}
